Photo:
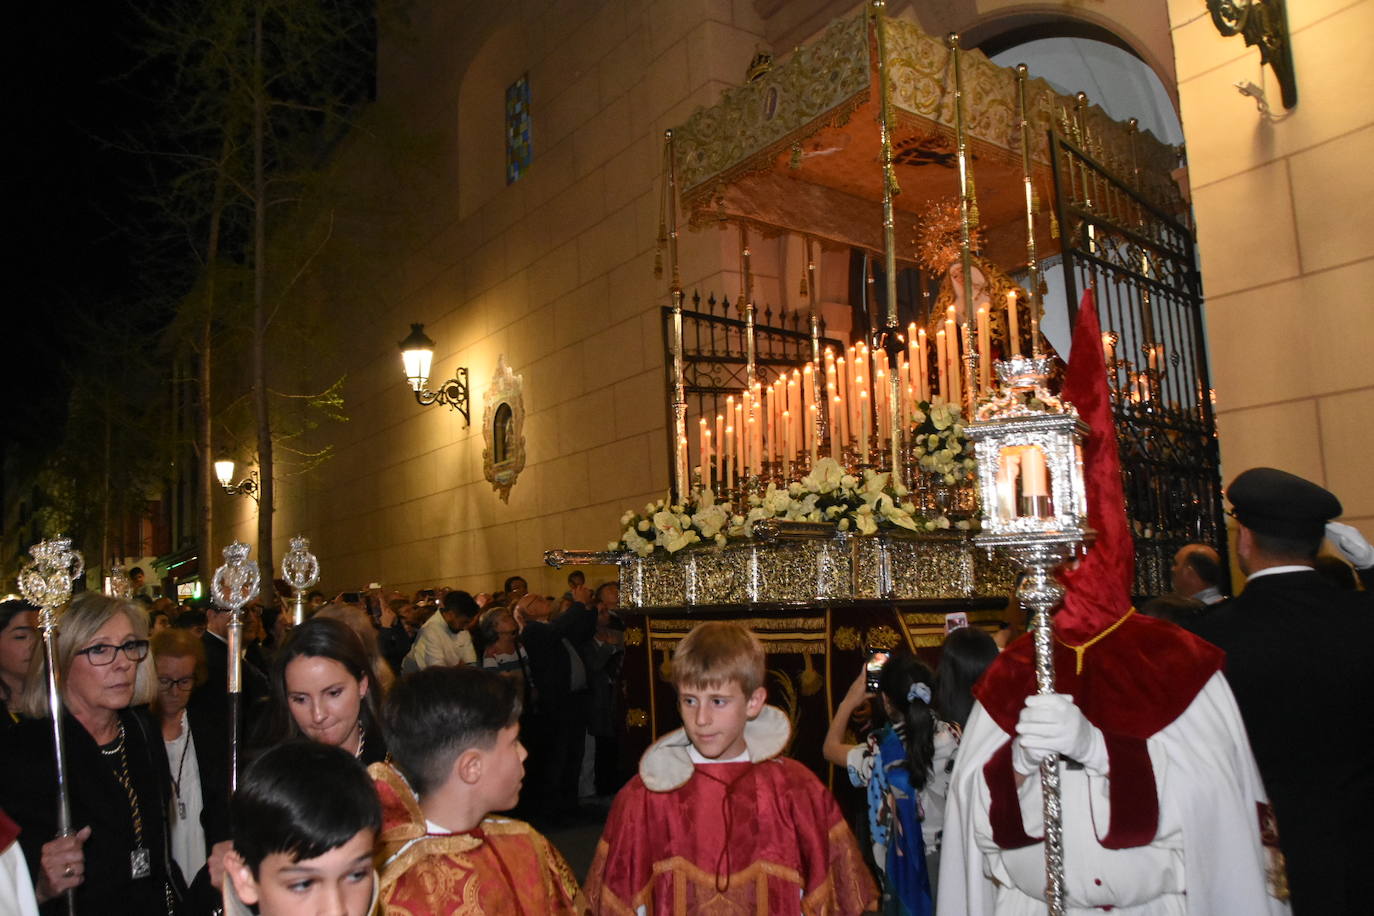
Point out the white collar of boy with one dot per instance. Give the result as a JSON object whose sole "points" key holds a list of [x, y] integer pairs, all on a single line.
{"points": [[669, 761], [697, 757]]}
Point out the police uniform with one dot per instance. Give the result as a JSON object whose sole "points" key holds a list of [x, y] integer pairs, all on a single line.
{"points": [[1301, 667]]}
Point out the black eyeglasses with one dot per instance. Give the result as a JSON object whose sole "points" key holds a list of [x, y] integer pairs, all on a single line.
{"points": [[180, 683], [135, 650]]}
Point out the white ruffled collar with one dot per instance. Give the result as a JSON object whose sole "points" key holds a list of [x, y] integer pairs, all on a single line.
{"points": [[667, 764]]}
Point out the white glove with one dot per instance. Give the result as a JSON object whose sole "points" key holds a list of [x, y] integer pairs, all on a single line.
{"points": [[1052, 724], [1350, 544]]}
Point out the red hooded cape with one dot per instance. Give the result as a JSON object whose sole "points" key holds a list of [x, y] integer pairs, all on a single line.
{"points": [[1130, 675]]}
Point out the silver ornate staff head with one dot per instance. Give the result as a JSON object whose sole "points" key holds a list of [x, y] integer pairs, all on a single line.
{"points": [[300, 568], [236, 582], [46, 583], [119, 584]]}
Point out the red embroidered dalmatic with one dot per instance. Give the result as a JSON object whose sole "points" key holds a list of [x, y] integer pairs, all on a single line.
{"points": [[749, 837], [502, 866]]}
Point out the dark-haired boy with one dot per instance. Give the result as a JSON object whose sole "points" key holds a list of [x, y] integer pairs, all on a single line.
{"points": [[454, 739], [717, 820], [305, 819]]}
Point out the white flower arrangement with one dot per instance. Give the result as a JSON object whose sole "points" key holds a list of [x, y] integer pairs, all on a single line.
{"points": [[938, 442], [827, 494]]}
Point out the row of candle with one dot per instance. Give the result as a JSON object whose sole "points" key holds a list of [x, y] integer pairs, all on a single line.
{"points": [[780, 424]]}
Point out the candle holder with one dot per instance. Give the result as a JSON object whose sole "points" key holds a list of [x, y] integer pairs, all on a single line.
{"points": [[46, 583], [301, 569], [1029, 447]]}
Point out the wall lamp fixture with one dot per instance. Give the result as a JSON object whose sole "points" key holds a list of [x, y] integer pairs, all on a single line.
{"points": [[248, 486], [417, 354]]}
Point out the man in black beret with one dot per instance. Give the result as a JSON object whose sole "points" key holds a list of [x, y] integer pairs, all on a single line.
{"points": [[1302, 670]]}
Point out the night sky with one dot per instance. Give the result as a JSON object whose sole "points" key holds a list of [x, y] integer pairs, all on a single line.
{"points": [[70, 192]]}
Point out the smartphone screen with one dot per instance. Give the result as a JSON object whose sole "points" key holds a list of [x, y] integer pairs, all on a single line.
{"points": [[873, 668]]}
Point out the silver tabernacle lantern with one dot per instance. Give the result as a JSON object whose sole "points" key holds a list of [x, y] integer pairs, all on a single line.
{"points": [[1029, 446]]}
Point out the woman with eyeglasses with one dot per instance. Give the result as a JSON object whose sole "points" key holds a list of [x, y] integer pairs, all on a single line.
{"points": [[118, 860], [197, 757]]}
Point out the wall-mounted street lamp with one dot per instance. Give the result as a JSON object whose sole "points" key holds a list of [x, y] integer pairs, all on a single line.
{"points": [[248, 486], [417, 354]]}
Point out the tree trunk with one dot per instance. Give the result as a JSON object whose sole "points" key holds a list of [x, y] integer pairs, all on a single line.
{"points": [[204, 443], [260, 392]]}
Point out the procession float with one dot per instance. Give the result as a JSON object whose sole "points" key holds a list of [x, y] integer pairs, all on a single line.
{"points": [[824, 488]]}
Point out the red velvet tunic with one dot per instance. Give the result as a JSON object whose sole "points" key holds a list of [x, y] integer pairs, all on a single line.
{"points": [[503, 866], [735, 838]]}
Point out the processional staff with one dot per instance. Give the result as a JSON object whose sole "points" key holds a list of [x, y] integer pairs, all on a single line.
{"points": [[234, 585], [1030, 485], [301, 570], [46, 583], [117, 584]]}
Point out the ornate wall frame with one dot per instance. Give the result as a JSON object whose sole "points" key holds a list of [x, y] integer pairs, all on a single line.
{"points": [[503, 429]]}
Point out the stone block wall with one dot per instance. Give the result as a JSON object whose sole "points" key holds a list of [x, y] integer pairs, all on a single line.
{"points": [[1286, 242]]}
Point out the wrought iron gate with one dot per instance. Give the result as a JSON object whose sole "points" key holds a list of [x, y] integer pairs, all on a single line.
{"points": [[714, 357], [1127, 242]]}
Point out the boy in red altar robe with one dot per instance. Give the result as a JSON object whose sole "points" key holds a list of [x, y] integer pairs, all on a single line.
{"points": [[716, 820], [453, 735]]}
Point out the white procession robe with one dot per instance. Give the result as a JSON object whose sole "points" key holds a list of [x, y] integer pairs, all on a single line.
{"points": [[1206, 858]]}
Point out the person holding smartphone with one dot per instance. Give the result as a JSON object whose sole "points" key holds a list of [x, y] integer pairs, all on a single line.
{"points": [[904, 767]]}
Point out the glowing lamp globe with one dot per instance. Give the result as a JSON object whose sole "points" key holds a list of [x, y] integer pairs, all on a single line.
{"points": [[417, 353]]}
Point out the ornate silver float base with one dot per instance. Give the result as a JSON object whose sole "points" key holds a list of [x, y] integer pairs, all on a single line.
{"points": [[807, 565]]}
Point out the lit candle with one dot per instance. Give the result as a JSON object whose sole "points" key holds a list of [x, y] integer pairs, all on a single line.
{"points": [[941, 365], [922, 372], [707, 459], [720, 448], [841, 379], [911, 336], [741, 443], [984, 350], [1034, 480], [704, 447], [1013, 324], [789, 445], [793, 412], [682, 459], [754, 451], [729, 458], [954, 352], [808, 392], [811, 423], [838, 436], [768, 419], [863, 427]]}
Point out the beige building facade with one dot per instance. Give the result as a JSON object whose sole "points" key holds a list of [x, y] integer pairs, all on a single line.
{"points": [[1286, 242], [554, 272]]}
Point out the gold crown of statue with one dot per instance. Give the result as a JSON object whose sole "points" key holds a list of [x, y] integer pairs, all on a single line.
{"points": [[939, 241], [761, 64]]}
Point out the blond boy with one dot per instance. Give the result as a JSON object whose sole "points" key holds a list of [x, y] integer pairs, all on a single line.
{"points": [[716, 819]]}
